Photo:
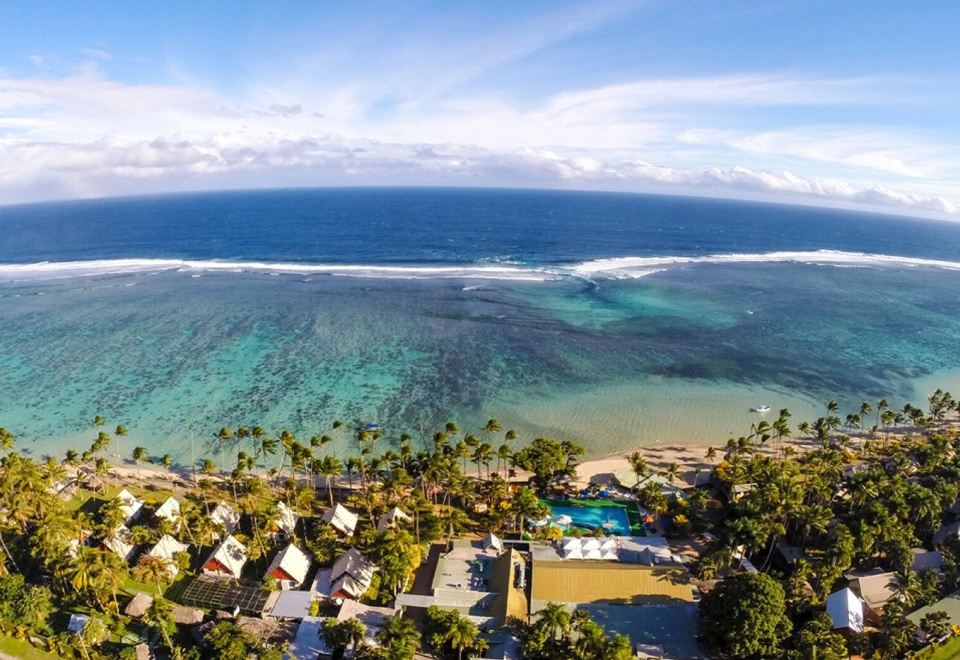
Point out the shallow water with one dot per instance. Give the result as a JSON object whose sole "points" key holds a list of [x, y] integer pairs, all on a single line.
{"points": [[611, 355]]}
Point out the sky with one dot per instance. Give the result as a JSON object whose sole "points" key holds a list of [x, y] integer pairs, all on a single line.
{"points": [[847, 104]]}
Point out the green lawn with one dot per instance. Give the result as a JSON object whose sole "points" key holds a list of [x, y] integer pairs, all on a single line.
{"points": [[949, 651], [21, 649]]}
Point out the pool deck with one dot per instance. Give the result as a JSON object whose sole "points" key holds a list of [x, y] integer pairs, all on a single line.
{"points": [[633, 515]]}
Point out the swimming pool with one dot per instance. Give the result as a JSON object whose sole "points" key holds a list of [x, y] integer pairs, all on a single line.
{"points": [[593, 517]]}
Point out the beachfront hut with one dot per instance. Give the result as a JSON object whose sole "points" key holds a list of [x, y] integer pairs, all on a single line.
{"points": [[284, 522], [167, 548], [289, 567], [119, 542], [351, 575], [186, 616], [341, 519], [130, 505], [392, 519], [846, 610], [227, 559], [169, 510], [225, 515], [138, 605]]}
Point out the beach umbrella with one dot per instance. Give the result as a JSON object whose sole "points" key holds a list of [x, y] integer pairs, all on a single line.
{"points": [[563, 520], [573, 553]]}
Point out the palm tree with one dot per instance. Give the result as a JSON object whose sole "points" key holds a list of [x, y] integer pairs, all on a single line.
{"points": [[139, 454], [158, 617], [556, 619], [639, 466], [461, 635], [330, 468], [154, 570], [399, 637]]}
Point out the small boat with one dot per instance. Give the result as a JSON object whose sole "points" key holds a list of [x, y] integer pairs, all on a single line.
{"points": [[761, 409], [373, 426]]}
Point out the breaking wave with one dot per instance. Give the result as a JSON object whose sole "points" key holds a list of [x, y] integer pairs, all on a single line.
{"points": [[611, 268]]}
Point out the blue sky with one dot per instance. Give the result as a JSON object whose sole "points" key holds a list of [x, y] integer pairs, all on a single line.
{"points": [[831, 103]]}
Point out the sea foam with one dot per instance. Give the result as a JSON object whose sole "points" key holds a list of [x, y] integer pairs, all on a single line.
{"points": [[614, 268]]}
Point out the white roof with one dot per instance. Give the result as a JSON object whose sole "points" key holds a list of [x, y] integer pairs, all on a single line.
{"points": [[845, 610], [129, 504], [590, 544], [491, 541], [573, 553], [166, 548], [119, 542], [292, 561], [307, 645], [610, 555], [226, 516], [592, 554], [351, 574], [77, 622], [609, 544], [342, 519], [391, 518], [372, 618], [286, 519], [571, 543], [169, 510], [231, 555]]}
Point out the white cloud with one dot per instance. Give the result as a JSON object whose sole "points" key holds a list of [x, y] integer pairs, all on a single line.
{"points": [[85, 135]]}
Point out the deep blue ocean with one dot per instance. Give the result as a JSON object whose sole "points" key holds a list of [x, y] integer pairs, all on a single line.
{"points": [[612, 319]]}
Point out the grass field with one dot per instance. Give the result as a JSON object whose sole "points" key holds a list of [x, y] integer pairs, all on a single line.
{"points": [[16, 648], [949, 651]]}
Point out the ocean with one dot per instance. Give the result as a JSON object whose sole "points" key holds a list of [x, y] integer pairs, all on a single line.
{"points": [[614, 320]]}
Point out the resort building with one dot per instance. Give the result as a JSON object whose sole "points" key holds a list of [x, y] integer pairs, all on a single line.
{"points": [[392, 519], [633, 585], [926, 560], [290, 567], [876, 589], [227, 559], [225, 515], [341, 519], [349, 578], [372, 618], [119, 542], [846, 610], [167, 548], [284, 523], [169, 510], [129, 505], [138, 605], [949, 605]]}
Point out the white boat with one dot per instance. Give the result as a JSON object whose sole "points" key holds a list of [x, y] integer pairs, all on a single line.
{"points": [[761, 409]]}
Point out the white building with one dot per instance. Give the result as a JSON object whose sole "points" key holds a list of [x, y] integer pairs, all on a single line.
{"points": [[119, 543], [167, 548], [351, 575], [130, 505], [342, 519], [225, 515], [289, 567], [169, 510], [227, 559], [846, 610], [285, 522], [392, 519]]}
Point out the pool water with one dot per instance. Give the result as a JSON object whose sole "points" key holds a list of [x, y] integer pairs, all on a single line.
{"points": [[594, 517]]}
